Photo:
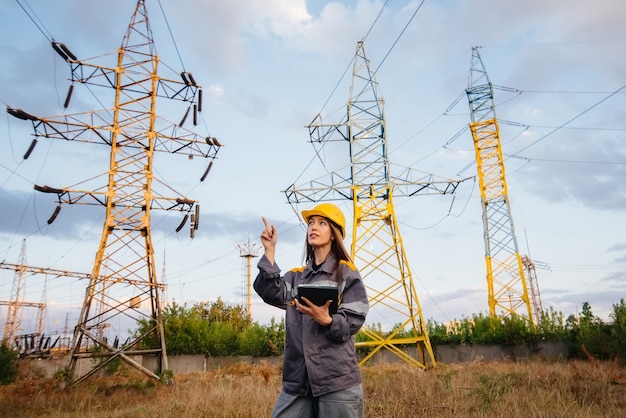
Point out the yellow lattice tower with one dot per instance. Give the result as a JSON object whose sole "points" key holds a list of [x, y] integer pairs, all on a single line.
{"points": [[123, 283], [506, 282], [377, 247]]}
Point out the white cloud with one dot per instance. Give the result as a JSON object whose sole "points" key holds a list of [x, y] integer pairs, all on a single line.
{"points": [[267, 68]]}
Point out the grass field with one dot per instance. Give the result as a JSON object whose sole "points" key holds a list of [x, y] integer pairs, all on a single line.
{"points": [[478, 389]]}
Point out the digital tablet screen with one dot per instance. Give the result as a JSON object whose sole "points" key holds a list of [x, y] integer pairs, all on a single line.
{"points": [[319, 295]]}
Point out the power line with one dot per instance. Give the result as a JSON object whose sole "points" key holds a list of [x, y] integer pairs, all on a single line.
{"points": [[332, 93], [386, 54], [556, 43], [398, 38], [172, 36], [552, 160], [38, 23], [380, 12], [571, 119]]}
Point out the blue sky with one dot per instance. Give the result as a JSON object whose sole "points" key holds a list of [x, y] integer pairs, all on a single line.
{"points": [[267, 68]]}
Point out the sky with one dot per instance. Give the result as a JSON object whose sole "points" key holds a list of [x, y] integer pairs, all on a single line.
{"points": [[267, 68]]}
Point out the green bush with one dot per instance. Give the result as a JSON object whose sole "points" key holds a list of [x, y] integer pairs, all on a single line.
{"points": [[8, 364], [222, 339], [551, 326], [214, 329], [252, 340], [217, 329], [263, 341]]}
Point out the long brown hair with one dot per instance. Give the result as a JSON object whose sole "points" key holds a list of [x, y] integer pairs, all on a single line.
{"points": [[336, 248]]}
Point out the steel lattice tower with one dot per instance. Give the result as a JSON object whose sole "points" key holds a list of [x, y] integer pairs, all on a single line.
{"points": [[533, 286], [506, 283], [123, 283], [14, 311], [377, 247]]}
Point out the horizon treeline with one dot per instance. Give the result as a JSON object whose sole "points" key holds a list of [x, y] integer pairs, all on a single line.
{"points": [[218, 329]]}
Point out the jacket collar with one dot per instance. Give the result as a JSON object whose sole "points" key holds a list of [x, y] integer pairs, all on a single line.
{"points": [[328, 266]]}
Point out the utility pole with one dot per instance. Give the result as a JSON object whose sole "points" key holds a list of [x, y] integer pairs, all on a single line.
{"points": [[248, 251], [377, 248], [123, 280]]}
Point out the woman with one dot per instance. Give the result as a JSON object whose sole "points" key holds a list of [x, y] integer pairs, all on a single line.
{"points": [[321, 376]]}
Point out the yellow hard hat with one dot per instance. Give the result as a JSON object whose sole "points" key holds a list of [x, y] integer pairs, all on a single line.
{"points": [[330, 211]]}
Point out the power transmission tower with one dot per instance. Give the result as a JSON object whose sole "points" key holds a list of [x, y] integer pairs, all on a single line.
{"points": [[533, 285], [506, 282], [14, 311], [123, 281], [248, 251], [22, 268], [16, 305], [377, 247]]}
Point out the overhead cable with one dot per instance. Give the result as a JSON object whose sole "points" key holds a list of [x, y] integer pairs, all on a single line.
{"points": [[399, 36], [172, 36], [38, 23], [571, 119]]}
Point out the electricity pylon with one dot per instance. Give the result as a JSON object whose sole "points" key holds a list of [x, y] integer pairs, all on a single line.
{"points": [[533, 286], [20, 269], [377, 248], [14, 311], [16, 304], [506, 282], [123, 284]]}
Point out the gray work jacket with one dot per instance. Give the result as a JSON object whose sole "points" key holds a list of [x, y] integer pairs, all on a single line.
{"points": [[318, 359]]}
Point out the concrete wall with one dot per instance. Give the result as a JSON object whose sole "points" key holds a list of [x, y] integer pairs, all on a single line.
{"points": [[466, 353], [443, 354], [48, 367]]}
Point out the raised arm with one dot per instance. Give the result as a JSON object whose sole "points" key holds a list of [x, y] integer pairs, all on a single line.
{"points": [[269, 238]]}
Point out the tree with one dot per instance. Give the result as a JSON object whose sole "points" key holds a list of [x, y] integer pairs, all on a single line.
{"points": [[618, 330], [263, 341], [218, 311], [213, 328], [592, 333]]}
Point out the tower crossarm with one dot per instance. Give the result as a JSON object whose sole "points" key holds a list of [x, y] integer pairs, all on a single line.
{"points": [[133, 204], [320, 132], [410, 182], [25, 304], [97, 127], [82, 71], [99, 197], [334, 186], [66, 273]]}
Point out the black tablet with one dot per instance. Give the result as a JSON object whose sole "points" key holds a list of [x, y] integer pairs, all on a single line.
{"points": [[319, 295]]}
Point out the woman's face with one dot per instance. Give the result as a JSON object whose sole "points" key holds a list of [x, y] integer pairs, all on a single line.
{"points": [[319, 231]]}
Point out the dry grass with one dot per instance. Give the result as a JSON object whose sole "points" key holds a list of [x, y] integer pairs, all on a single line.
{"points": [[498, 389]]}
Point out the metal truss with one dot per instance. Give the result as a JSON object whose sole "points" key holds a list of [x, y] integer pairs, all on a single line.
{"points": [[506, 282], [123, 283], [377, 248]]}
